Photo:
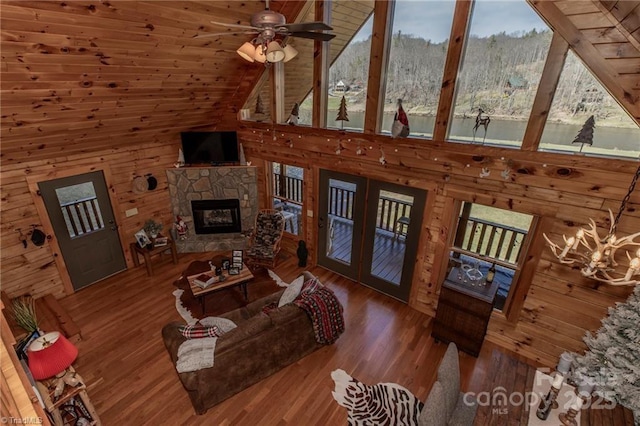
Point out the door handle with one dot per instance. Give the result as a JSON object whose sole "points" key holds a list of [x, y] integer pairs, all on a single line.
{"points": [[321, 222], [111, 221], [114, 228]]}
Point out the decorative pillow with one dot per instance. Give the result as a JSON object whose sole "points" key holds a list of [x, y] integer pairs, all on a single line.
{"points": [[224, 325], [199, 331], [291, 292]]}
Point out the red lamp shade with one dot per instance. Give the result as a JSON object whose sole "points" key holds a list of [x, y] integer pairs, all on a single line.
{"points": [[50, 354]]}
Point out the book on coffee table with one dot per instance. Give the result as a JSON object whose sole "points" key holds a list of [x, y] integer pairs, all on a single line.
{"points": [[204, 280]]}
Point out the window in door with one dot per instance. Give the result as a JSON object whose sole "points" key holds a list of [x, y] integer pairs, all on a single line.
{"points": [[287, 194], [488, 235]]}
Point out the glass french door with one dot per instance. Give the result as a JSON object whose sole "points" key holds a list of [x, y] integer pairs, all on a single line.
{"points": [[340, 222], [393, 220], [368, 231]]}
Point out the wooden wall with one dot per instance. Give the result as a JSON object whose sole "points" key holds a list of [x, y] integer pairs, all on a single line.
{"points": [[562, 190], [33, 269]]}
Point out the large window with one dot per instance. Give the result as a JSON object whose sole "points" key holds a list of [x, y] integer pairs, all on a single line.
{"points": [[349, 57], [417, 54], [287, 194], [585, 118], [487, 236], [503, 61]]}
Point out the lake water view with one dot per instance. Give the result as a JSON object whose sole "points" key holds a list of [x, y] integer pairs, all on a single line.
{"points": [[612, 141]]}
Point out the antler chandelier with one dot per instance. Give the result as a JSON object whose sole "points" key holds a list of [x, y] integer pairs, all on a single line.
{"points": [[599, 257]]}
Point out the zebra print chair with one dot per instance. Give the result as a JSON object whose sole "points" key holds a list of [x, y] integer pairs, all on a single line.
{"points": [[392, 404]]}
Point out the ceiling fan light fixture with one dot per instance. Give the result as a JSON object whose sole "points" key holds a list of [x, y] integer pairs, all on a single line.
{"points": [[259, 54], [275, 52], [289, 53], [247, 51]]}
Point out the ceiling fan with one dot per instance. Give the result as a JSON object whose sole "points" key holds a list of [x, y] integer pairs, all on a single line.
{"points": [[267, 25]]}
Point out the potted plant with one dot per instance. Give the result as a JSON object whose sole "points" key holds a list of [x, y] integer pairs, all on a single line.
{"points": [[24, 312], [152, 228]]}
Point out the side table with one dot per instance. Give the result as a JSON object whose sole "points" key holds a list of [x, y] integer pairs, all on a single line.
{"points": [[463, 313], [71, 406], [147, 253]]}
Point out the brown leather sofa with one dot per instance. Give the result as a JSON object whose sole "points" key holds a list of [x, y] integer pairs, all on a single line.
{"points": [[261, 345]]}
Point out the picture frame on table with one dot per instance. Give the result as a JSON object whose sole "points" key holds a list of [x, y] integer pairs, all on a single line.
{"points": [[234, 270], [142, 238], [236, 258]]}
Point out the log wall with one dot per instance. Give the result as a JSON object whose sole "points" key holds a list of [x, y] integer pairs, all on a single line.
{"points": [[33, 269], [562, 191]]}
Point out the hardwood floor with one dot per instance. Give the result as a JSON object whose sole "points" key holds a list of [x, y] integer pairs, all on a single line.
{"points": [[131, 379]]}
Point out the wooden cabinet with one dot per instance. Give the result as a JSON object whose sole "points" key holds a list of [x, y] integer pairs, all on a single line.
{"points": [[463, 313]]}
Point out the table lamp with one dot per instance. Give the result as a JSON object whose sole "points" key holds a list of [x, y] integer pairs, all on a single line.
{"points": [[50, 355]]}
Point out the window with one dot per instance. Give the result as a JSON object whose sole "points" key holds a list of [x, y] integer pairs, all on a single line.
{"points": [[258, 106], [503, 61], [298, 75], [416, 63], [487, 236], [569, 127], [287, 194], [349, 57]]}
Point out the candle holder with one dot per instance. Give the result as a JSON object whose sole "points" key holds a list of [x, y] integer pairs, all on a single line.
{"points": [[583, 395]]}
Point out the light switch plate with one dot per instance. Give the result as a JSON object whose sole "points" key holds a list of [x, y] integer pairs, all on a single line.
{"points": [[131, 212], [309, 213]]}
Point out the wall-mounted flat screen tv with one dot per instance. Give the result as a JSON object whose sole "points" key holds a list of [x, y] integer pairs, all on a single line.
{"points": [[210, 147]]}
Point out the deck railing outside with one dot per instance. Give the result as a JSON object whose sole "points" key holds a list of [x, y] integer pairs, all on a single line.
{"points": [[287, 188], [493, 240], [82, 216]]}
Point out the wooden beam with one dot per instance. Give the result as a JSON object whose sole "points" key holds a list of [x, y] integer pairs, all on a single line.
{"points": [[455, 51], [608, 77], [382, 18], [321, 68], [546, 89], [534, 252], [618, 23], [277, 93]]}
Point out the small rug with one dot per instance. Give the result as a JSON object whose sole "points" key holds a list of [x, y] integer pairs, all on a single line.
{"points": [[380, 404]]}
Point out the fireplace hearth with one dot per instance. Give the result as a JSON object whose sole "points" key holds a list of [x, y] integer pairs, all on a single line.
{"points": [[216, 216]]}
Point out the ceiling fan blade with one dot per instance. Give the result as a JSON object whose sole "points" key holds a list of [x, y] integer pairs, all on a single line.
{"points": [[246, 27], [312, 35], [307, 26], [225, 34]]}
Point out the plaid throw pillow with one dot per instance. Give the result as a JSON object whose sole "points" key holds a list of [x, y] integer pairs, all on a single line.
{"points": [[199, 331]]}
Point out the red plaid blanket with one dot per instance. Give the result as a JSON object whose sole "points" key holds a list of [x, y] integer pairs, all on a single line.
{"points": [[325, 312]]}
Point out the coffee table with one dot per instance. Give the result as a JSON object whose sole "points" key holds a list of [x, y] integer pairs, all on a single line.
{"points": [[196, 268]]}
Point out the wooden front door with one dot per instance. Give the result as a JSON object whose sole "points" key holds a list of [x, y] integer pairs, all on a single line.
{"points": [[84, 225]]}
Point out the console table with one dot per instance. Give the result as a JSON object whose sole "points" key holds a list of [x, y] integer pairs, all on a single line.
{"points": [[148, 253], [463, 312]]}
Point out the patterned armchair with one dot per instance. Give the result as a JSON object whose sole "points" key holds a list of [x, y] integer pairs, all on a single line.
{"points": [[265, 240]]}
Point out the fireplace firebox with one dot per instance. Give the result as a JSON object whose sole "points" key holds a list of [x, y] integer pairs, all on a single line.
{"points": [[216, 216]]}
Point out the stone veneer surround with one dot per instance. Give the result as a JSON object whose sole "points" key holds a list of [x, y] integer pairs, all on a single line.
{"points": [[213, 183]]}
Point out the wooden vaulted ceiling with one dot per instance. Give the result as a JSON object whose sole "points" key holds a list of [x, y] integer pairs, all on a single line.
{"points": [[80, 76]]}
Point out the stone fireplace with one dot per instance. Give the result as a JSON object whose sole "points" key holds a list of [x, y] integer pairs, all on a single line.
{"points": [[216, 216], [223, 200]]}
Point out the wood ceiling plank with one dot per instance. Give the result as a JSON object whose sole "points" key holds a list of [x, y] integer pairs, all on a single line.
{"points": [[619, 10], [617, 50], [626, 65], [590, 20], [632, 21], [576, 7], [607, 35], [623, 8]]}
